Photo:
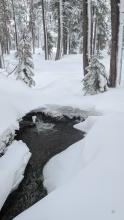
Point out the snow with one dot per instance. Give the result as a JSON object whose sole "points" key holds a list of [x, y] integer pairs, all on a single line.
{"points": [[85, 181], [94, 189], [12, 166], [87, 124]]}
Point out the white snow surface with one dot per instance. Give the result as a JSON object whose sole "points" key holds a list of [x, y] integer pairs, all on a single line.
{"points": [[12, 166], [85, 181]]}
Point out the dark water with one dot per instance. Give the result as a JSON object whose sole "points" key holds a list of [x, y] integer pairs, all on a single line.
{"points": [[45, 139]]}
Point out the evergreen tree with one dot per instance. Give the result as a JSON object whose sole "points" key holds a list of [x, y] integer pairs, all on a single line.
{"points": [[95, 80], [25, 65], [50, 43]]}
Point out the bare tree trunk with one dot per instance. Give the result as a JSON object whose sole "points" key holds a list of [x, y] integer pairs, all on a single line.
{"points": [[89, 29], [92, 26], [65, 30], [114, 43], [32, 24], [120, 44], [45, 31], [1, 57], [65, 41], [94, 29], [85, 36], [15, 25], [60, 31]]}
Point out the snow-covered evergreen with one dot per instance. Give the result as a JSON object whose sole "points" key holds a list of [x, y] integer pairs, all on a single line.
{"points": [[24, 70], [95, 80]]}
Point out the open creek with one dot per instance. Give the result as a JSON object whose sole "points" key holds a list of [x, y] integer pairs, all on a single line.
{"points": [[45, 138]]}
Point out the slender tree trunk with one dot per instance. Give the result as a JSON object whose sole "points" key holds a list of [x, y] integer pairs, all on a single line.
{"points": [[60, 31], [114, 43], [85, 36], [32, 24], [15, 25], [1, 57], [45, 31], [65, 41], [92, 26], [89, 29], [65, 30], [120, 44]]}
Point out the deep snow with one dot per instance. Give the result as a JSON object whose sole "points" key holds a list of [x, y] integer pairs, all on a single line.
{"points": [[90, 173]]}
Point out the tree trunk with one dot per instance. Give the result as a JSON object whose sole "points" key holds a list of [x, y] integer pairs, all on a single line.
{"points": [[120, 44], [65, 30], [45, 32], [1, 57], [89, 29], [15, 25], [85, 36], [32, 24], [114, 43], [60, 31], [65, 41]]}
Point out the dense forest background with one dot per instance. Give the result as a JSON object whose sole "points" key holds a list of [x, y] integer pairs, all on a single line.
{"points": [[62, 27]]}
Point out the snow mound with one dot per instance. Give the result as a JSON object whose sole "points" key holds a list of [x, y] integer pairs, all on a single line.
{"points": [[87, 124], [12, 167]]}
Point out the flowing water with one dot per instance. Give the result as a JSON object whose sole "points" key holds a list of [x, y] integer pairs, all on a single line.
{"points": [[45, 138]]}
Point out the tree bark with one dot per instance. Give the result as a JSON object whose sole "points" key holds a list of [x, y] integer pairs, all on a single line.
{"points": [[85, 36], [1, 57], [15, 25], [45, 32], [65, 31], [32, 23], [114, 43], [60, 31]]}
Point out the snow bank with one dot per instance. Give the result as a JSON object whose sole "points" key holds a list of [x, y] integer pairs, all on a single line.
{"points": [[96, 190], [66, 165], [12, 166], [87, 124]]}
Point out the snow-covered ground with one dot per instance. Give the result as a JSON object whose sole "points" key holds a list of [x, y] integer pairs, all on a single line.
{"points": [[87, 179]]}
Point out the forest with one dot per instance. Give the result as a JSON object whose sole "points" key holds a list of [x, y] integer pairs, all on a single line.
{"points": [[61, 109]]}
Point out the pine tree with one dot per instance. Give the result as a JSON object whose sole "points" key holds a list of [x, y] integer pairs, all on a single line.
{"points": [[25, 65], [95, 80], [50, 43]]}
